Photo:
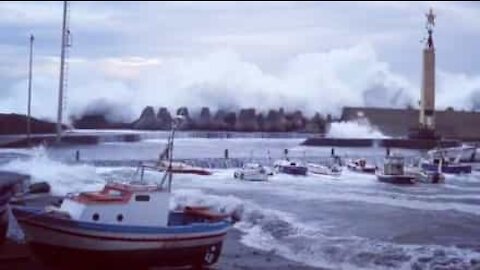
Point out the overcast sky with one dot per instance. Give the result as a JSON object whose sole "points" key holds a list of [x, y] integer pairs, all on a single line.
{"points": [[315, 56]]}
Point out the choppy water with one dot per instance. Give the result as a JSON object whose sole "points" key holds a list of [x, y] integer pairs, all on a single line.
{"points": [[349, 222]]}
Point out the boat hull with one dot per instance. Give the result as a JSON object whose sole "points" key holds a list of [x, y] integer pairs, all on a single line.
{"points": [[396, 179], [449, 169], [254, 177], [293, 170], [192, 171], [51, 238], [323, 170], [73, 258]]}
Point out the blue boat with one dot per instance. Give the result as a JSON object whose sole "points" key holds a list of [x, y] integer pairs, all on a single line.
{"points": [[8, 181], [445, 166], [290, 167]]}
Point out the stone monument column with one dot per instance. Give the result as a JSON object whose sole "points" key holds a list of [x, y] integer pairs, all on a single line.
{"points": [[427, 103]]}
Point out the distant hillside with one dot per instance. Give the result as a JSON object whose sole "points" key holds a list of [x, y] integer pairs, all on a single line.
{"points": [[17, 124]]}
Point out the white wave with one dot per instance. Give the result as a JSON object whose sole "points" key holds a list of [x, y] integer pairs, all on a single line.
{"points": [[284, 234], [354, 129], [62, 177]]}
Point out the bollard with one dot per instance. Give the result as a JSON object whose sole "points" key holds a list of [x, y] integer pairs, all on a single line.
{"points": [[77, 155], [332, 152]]}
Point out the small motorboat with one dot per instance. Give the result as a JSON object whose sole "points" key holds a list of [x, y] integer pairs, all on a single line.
{"points": [[9, 183], [427, 177], [394, 171], [252, 172], [181, 167], [125, 225], [290, 167], [332, 170], [431, 177], [360, 165]]}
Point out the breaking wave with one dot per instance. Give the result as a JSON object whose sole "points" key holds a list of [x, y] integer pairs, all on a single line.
{"points": [[354, 129]]}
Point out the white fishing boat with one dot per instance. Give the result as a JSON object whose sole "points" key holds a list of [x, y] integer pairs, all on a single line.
{"points": [[125, 225], [394, 171], [252, 172], [332, 170]]}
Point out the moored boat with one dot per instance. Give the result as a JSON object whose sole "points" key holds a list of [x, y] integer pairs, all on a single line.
{"points": [[182, 168], [361, 166], [123, 224], [431, 177], [252, 172], [290, 167], [464, 153], [448, 167], [394, 171], [332, 170], [126, 225]]}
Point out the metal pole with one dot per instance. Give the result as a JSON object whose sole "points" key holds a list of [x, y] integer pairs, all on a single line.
{"points": [[62, 67], [171, 159], [29, 130]]}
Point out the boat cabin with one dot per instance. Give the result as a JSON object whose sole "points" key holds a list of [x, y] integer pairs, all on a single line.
{"points": [[118, 203], [394, 165]]}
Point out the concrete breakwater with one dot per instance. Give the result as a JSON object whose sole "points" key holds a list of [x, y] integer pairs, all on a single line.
{"points": [[387, 143]]}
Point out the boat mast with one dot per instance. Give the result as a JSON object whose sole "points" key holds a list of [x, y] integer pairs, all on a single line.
{"points": [[29, 102], [62, 81], [168, 153]]}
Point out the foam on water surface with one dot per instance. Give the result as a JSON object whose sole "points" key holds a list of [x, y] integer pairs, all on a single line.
{"points": [[347, 222]]}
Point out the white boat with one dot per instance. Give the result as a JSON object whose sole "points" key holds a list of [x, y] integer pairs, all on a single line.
{"points": [[394, 171], [361, 165], [463, 154], [124, 225], [427, 177], [252, 172], [332, 170], [183, 168]]}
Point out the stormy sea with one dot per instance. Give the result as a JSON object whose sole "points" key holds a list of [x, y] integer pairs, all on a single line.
{"points": [[348, 222]]}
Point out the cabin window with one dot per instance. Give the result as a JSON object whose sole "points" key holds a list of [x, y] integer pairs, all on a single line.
{"points": [[95, 216], [142, 198], [119, 217]]}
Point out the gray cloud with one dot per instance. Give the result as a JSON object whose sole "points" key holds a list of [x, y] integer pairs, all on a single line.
{"points": [[293, 54]]}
